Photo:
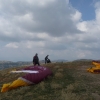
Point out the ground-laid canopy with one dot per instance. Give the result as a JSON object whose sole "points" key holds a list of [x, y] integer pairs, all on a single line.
{"points": [[34, 75], [96, 68]]}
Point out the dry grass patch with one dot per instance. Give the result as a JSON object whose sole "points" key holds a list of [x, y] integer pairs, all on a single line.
{"points": [[69, 96], [56, 67], [60, 70], [58, 75], [70, 87], [42, 86], [55, 85]]}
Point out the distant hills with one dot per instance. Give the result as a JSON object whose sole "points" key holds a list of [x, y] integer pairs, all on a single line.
{"points": [[8, 64], [83, 60]]}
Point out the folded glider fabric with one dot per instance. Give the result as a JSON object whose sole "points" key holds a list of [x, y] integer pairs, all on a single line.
{"points": [[34, 75], [95, 69]]}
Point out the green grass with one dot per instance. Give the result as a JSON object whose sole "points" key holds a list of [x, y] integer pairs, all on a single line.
{"points": [[70, 81]]}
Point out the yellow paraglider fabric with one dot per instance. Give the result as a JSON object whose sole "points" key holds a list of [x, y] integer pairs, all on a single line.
{"points": [[96, 64], [95, 69], [13, 85]]}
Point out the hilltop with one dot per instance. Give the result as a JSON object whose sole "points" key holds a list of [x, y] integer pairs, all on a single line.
{"points": [[9, 64], [70, 81]]}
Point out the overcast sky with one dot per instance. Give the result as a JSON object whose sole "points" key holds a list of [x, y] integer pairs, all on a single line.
{"points": [[64, 29]]}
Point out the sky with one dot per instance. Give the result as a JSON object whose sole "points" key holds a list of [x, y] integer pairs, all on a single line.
{"points": [[62, 29]]}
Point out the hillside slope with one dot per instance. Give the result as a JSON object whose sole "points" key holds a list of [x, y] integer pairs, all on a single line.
{"points": [[70, 81]]}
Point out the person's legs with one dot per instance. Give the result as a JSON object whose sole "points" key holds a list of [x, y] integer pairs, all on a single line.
{"points": [[38, 64], [34, 63], [45, 61]]}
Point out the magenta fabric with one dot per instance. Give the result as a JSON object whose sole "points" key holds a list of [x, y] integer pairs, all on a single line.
{"points": [[37, 77], [97, 61]]}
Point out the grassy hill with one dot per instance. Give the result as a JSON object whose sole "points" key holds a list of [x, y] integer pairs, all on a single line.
{"points": [[70, 81]]}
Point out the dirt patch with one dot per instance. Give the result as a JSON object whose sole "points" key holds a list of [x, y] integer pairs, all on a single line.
{"points": [[96, 96]]}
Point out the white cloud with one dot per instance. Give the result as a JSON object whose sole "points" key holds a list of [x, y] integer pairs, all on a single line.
{"points": [[51, 27], [12, 45], [39, 2], [83, 54], [43, 35], [77, 16], [82, 26]]}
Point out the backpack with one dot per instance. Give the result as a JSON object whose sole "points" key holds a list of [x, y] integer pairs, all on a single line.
{"points": [[48, 61]]}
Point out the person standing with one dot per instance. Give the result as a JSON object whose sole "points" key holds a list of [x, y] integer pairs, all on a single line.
{"points": [[46, 59], [36, 60]]}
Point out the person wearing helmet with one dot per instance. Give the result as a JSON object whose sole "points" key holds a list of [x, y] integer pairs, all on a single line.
{"points": [[36, 60]]}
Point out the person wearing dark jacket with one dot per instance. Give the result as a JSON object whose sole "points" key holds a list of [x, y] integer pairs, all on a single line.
{"points": [[36, 60], [46, 59]]}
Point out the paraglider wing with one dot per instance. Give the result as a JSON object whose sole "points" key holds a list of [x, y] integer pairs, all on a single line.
{"points": [[34, 75], [95, 69], [37, 77]]}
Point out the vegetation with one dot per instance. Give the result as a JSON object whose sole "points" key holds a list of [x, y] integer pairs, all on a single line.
{"points": [[70, 81], [8, 64]]}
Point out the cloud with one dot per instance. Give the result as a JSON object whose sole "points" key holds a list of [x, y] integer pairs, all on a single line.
{"points": [[12, 45], [53, 17], [76, 16], [51, 27]]}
